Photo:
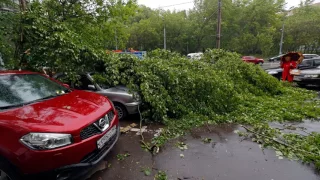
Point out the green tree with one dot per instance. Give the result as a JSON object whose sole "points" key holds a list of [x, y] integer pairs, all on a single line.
{"points": [[302, 29]]}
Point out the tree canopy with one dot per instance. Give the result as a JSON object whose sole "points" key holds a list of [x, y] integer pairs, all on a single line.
{"points": [[54, 29]]}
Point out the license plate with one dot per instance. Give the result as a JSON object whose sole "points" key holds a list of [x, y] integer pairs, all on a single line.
{"points": [[102, 141]]}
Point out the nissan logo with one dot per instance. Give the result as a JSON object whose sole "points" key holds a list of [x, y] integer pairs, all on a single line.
{"points": [[103, 123]]}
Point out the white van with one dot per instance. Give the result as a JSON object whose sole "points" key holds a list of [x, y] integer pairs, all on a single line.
{"points": [[195, 56]]}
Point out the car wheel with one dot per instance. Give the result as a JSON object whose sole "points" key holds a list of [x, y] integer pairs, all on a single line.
{"points": [[260, 63], [122, 111], [7, 171]]}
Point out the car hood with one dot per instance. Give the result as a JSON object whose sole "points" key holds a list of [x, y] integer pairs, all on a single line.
{"points": [[117, 90], [311, 71], [67, 113]]}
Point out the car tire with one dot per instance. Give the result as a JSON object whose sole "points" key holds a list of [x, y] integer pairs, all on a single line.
{"points": [[8, 171], [122, 111], [260, 63]]}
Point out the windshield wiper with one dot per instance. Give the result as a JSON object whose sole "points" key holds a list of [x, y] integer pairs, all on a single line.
{"points": [[13, 106]]}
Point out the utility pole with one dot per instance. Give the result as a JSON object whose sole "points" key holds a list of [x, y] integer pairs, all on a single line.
{"points": [[19, 46], [219, 25], [164, 36], [281, 40]]}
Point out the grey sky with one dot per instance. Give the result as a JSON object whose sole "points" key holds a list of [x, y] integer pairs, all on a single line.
{"points": [[161, 3]]}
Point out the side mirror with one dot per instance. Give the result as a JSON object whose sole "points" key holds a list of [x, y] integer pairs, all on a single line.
{"points": [[66, 85], [91, 87]]}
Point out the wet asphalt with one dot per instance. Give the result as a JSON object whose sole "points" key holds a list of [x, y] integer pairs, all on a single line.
{"points": [[227, 157]]}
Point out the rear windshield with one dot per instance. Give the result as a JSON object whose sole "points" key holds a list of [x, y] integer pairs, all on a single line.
{"points": [[20, 89]]}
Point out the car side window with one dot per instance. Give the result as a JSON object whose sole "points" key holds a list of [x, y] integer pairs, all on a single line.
{"points": [[317, 62], [306, 63], [85, 83]]}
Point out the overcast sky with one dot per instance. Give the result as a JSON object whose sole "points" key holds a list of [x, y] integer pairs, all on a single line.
{"points": [[189, 5]]}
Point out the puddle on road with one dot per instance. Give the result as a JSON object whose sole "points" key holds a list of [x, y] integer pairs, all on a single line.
{"points": [[227, 157], [304, 128]]}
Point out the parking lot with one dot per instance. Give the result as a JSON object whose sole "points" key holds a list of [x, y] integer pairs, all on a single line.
{"points": [[269, 65], [226, 157]]}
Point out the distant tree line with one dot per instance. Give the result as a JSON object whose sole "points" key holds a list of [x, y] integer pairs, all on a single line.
{"points": [[54, 30]]}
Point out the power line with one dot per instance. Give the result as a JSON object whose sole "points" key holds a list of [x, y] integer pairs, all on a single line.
{"points": [[176, 4]]}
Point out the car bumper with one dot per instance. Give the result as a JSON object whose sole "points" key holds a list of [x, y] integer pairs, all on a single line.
{"points": [[133, 108], [73, 163], [306, 81]]}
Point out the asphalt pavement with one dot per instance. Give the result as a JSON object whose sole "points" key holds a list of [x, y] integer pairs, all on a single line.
{"points": [[227, 157], [269, 65]]}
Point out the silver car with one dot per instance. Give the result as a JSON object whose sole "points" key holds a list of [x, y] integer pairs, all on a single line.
{"points": [[124, 102]]}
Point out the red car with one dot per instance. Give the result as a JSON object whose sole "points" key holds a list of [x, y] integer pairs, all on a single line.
{"points": [[48, 130], [252, 59]]}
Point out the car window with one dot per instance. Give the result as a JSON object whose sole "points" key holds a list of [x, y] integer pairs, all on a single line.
{"points": [[317, 62], [307, 63], [307, 56], [83, 83], [19, 89], [310, 56]]}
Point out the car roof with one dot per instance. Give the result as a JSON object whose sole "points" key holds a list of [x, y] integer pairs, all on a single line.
{"points": [[16, 72]]}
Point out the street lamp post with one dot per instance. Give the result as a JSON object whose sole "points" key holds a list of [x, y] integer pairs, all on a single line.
{"points": [[281, 40]]}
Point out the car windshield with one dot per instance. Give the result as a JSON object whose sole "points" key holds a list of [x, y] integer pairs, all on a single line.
{"points": [[21, 89]]}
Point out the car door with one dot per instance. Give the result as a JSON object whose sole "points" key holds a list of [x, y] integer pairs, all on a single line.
{"points": [[248, 59], [253, 59]]}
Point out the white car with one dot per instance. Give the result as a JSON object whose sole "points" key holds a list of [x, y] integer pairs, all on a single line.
{"points": [[195, 56]]}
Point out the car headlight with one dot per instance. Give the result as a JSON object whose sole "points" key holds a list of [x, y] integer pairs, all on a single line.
{"points": [[272, 72], [311, 76], [46, 141]]}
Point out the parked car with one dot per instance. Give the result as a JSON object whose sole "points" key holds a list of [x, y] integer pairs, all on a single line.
{"points": [[124, 102], [310, 56], [252, 59], [46, 129], [306, 56], [306, 64], [276, 58], [195, 56], [308, 77]]}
